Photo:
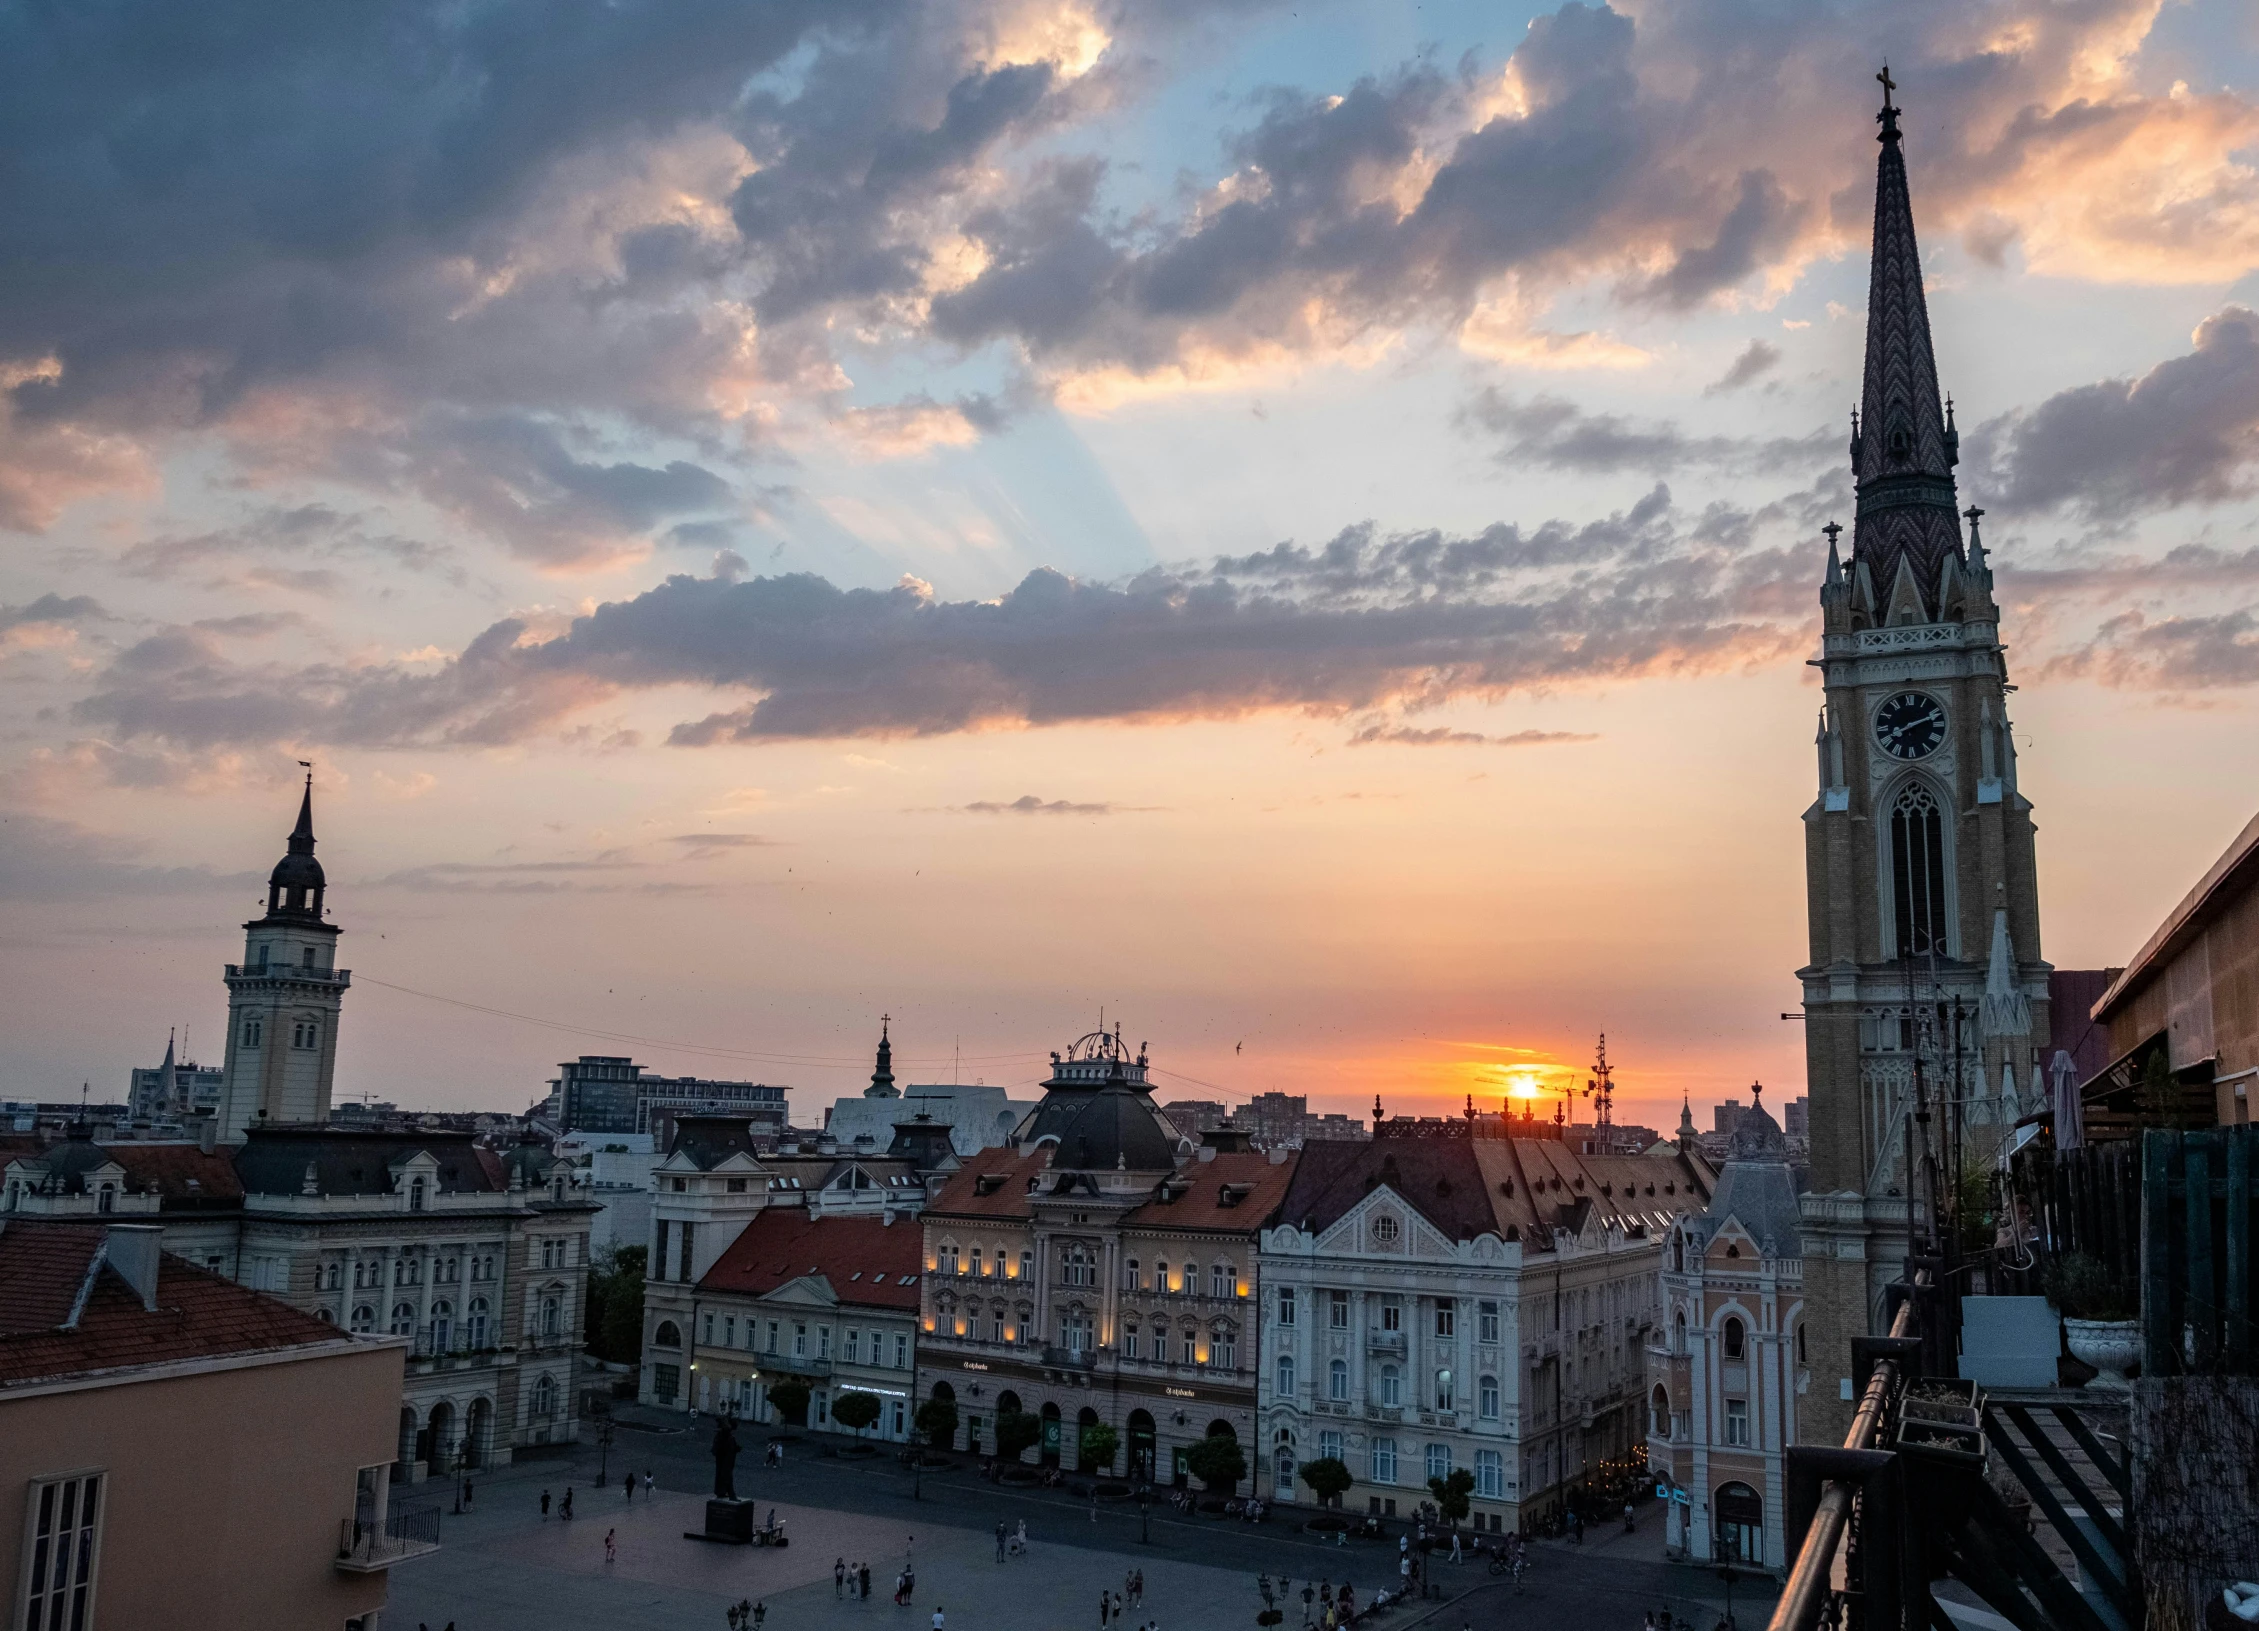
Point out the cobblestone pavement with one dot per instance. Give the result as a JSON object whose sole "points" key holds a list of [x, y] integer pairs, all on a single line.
{"points": [[502, 1567]]}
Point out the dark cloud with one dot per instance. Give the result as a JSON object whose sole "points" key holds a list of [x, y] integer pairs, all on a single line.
{"points": [[1762, 223], [2133, 651], [1754, 363], [2186, 432], [1029, 804], [43, 859], [1362, 622], [1552, 431], [1443, 737], [52, 609]]}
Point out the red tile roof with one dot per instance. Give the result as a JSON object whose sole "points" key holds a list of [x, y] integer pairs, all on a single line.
{"points": [[866, 1260], [180, 1173], [199, 1315], [992, 1184], [1235, 1189]]}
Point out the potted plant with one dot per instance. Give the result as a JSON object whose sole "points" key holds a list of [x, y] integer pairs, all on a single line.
{"points": [[2101, 1316]]}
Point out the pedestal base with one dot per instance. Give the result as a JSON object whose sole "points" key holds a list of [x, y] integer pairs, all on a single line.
{"points": [[728, 1523]]}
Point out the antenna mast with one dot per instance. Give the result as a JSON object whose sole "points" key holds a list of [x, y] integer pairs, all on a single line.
{"points": [[1601, 1090]]}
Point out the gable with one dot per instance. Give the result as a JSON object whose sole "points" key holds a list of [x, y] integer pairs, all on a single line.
{"points": [[1364, 1229]]}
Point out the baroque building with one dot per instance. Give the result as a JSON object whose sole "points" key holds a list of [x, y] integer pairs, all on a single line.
{"points": [[1728, 1373], [1101, 1270], [1925, 995], [1471, 1295]]}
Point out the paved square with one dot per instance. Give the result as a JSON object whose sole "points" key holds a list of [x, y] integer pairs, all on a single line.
{"points": [[517, 1571]]}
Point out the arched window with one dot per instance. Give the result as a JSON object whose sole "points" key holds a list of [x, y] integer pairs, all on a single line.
{"points": [[474, 1325], [1337, 1381], [668, 1335], [403, 1319], [1222, 1282], [1286, 1374], [1741, 1523], [416, 1194], [1659, 1412], [545, 1396], [364, 1318], [1678, 1334], [1917, 873], [1129, 1275], [552, 1314], [1800, 1355], [1736, 1335], [1132, 1344], [976, 1263], [1443, 1390], [442, 1327], [1192, 1279], [1486, 1397]]}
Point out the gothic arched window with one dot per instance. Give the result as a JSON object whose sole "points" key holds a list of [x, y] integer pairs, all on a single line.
{"points": [[1917, 873], [1734, 1333]]}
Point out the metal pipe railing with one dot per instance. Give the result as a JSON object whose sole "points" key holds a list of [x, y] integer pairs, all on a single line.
{"points": [[1810, 1579]]}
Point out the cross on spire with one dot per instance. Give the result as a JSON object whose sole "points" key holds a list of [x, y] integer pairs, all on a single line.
{"points": [[1888, 84]]}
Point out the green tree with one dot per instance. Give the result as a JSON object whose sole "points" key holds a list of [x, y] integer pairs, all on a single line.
{"points": [[614, 1323], [1017, 1432], [855, 1411], [1099, 1442], [2159, 1100], [937, 1419], [790, 1399], [1451, 1493], [1217, 1461], [1328, 1479]]}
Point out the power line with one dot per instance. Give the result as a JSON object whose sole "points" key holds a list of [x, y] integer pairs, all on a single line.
{"points": [[669, 1042]]}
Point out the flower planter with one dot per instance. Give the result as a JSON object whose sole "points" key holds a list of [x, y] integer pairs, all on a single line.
{"points": [[1943, 1418], [2112, 1347]]}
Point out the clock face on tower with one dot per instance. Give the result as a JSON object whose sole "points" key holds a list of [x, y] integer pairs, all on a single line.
{"points": [[1911, 725]]}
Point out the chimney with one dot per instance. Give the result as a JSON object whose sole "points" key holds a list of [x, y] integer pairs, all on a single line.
{"points": [[132, 1249], [208, 1134]]}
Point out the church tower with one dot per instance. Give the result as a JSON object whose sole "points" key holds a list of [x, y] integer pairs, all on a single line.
{"points": [[283, 998], [1925, 999]]}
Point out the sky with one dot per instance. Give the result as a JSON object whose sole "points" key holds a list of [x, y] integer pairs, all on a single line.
{"points": [[1292, 528]]}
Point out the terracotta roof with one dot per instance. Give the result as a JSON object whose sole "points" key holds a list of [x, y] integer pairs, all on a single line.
{"points": [[182, 1174], [866, 1260], [991, 1184], [1236, 1189], [199, 1315], [1515, 1188]]}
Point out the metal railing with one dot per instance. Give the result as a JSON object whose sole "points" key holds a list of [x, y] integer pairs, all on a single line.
{"points": [[410, 1532], [1810, 1586]]}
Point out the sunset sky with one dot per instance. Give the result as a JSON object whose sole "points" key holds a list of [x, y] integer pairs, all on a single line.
{"points": [[1294, 526]]}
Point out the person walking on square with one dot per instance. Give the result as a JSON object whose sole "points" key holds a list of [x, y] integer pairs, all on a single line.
{"points": [[1138, 1597], [1105, 1610], [1117, 1608], [631, 1486], [1455, 1557], [939, 1622], [647, 1486], [470, 1490], [863, 1581], [566, 1510], [838, 1578], [611, 1547], [1000, 1533], [544, 1506]]}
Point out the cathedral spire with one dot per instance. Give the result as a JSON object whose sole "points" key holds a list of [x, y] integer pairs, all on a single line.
{"points": [[882, 1073], [302, 835], [1904, 449]]}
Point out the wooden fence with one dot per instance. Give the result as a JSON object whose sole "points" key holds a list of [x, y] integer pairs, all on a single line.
{"points": [[2198, 1287], [2086, 1200]]}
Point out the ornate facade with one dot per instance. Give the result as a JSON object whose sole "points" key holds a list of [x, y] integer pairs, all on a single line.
{"points": [[1925, 996]]}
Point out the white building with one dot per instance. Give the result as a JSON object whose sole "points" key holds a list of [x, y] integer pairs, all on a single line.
{"points": [[1446, 1297], [1727, 1377], [978, 1117]]}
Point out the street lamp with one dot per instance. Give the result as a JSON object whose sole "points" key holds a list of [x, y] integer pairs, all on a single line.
{"points": [[604, 1446], [455, 1465], [1144, 1511], [1732, 1577]]}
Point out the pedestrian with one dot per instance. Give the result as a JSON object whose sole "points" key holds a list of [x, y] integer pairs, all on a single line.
{"points": [[863, 1581], [469, 1490], [611, 1548], [544, 1506], [1140, 1588], [1309, 1596], [1117, 1608], [1628, 1517], [1023, 1537], [938, 1620], [1000, 1533], [1105, 1610], [1455, 1557], [567, 1509], [631, 1486], [647, 1483], [838, 1578]]}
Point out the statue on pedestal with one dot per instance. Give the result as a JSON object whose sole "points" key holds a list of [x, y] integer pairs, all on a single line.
{"points": [[725, 1459]]}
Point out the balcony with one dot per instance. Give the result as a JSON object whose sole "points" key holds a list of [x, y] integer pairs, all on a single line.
{"points": [[367, 1548], [290, 971], [1079, 1359], [796, 1364], [1385, 1342]]}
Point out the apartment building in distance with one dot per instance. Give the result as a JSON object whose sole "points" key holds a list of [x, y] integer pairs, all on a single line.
{"points": [[177, 1449], [604, 1093]]}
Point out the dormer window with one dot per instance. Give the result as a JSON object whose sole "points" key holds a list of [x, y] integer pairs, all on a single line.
{"points": [[416, 1194]]}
